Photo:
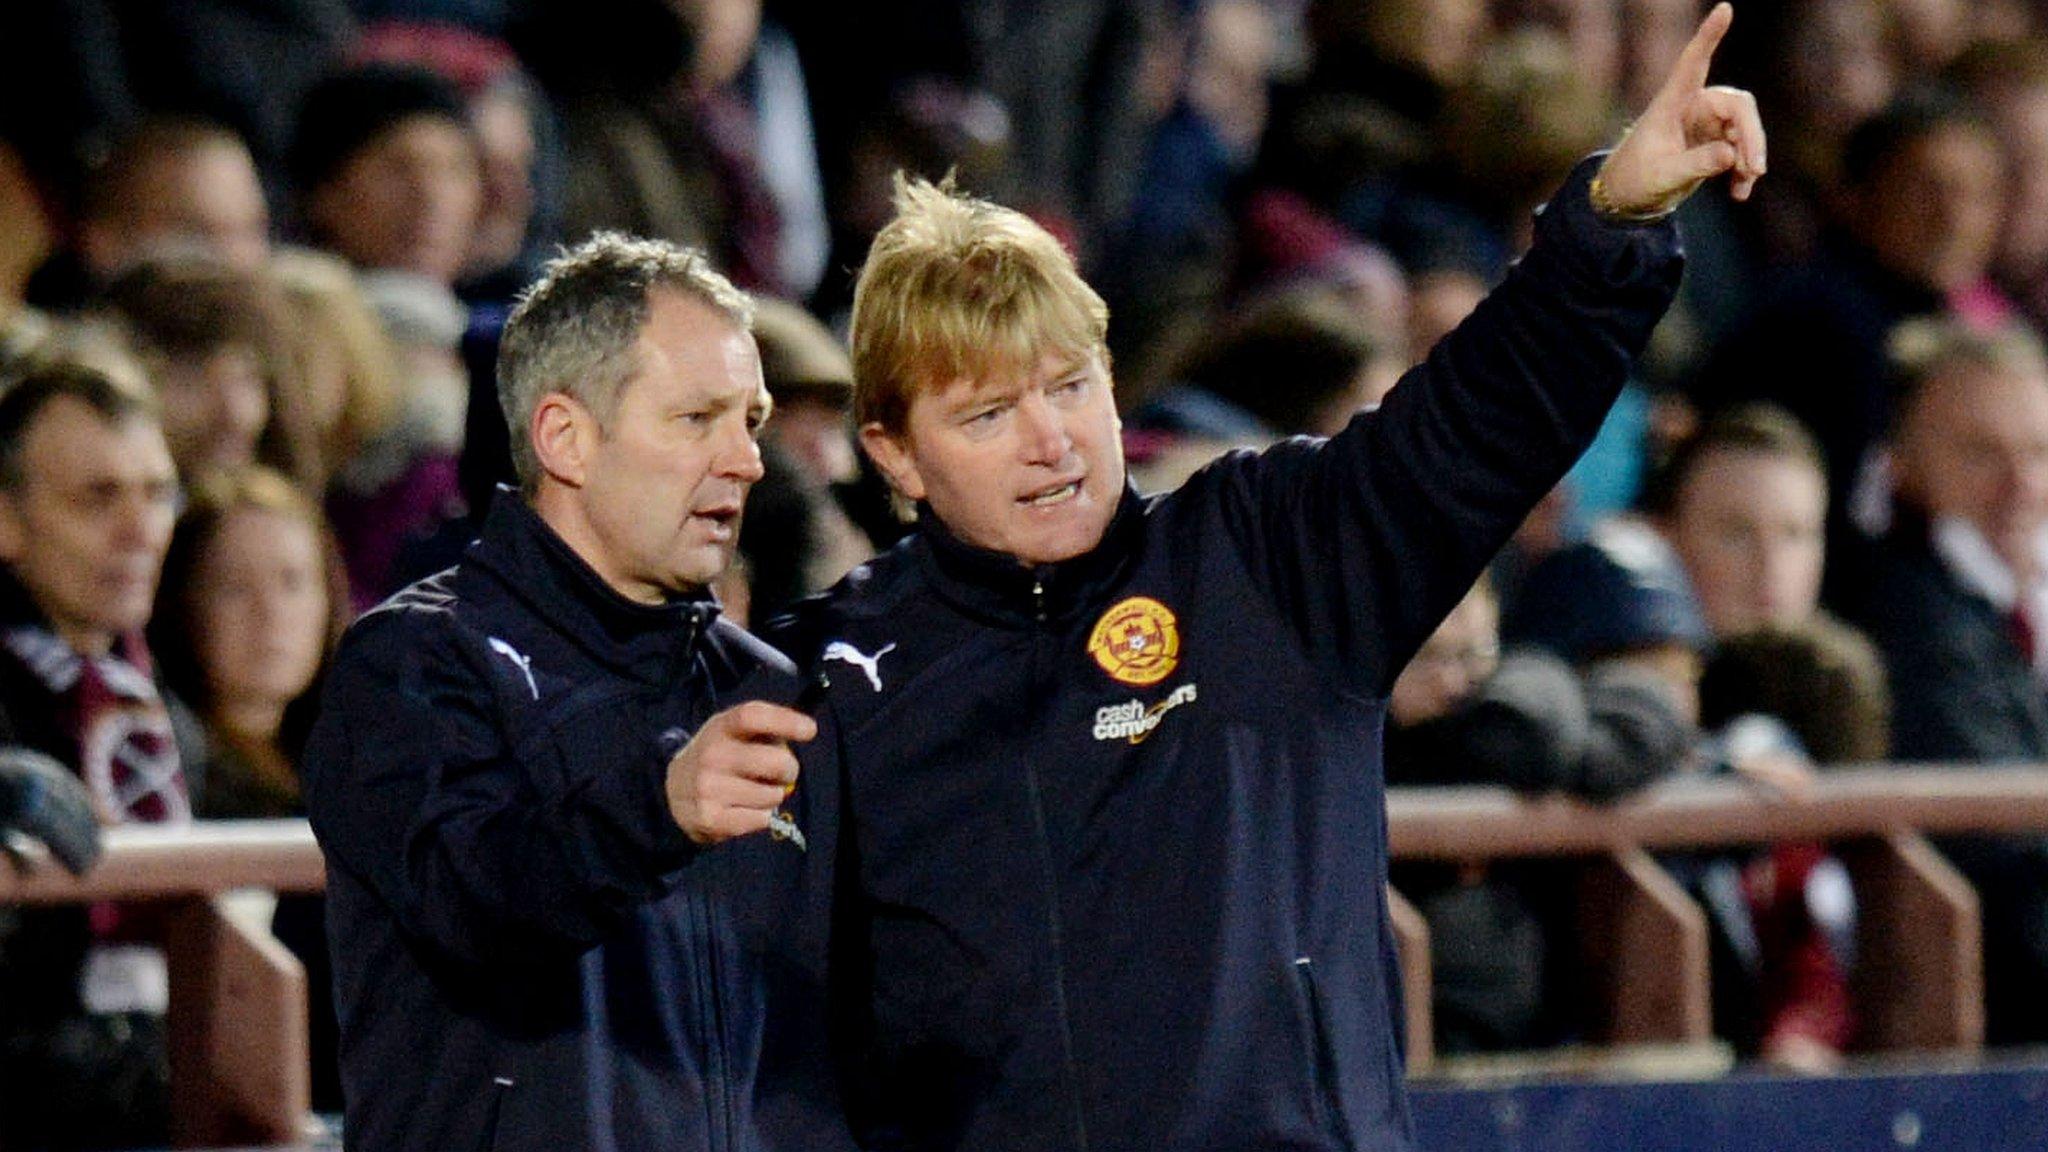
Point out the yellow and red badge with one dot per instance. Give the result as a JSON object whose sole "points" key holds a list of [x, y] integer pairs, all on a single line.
{"points": [[1137, 642]]}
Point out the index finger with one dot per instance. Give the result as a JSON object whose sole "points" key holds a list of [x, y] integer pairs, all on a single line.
{"points": [[760, 720], [1689, 74]]}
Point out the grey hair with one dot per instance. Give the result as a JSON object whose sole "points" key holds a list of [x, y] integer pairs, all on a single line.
{"points": [[575, 329]]}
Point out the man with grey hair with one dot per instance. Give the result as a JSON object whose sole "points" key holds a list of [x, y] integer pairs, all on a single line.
{"points": [[522, 763], [1956, 598]]}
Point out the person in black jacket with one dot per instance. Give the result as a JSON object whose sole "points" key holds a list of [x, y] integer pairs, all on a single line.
{"points": [[521, 764], [1100, 772]]}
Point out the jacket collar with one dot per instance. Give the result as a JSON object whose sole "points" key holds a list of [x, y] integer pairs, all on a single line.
{"points": [[647, 641], [997, 587]]}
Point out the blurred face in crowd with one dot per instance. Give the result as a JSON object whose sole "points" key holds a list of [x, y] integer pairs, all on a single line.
{"points": [[1928, 34], [1932, 213], [2022, 120], [1750, 528], [27, 235], [207, 196], [260, 610], [817, 434], [1025, 462], [1653, 34], [1838, 70], [724, 32], [1676, 668], [504, 133], [1456, 660], [650, 495], [1974, 445], [406, 201], [86, 529], [215, 407]]}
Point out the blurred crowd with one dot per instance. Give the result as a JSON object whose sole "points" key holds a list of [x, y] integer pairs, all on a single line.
{"points": [[255, 255]]}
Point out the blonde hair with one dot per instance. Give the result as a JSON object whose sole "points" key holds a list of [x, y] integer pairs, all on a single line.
{"points": [[334, 320], [957, 287]]}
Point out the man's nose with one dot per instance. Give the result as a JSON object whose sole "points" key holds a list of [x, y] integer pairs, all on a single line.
{"points": [[1044, 431], [739, 457]]}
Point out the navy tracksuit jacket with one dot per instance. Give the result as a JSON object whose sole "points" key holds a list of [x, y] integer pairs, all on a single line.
{"points": [[1111, 838], [528, 952]]}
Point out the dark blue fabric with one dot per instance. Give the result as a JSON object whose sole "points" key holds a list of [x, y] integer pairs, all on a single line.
{"points": [[528, 951], [1053, 932]]}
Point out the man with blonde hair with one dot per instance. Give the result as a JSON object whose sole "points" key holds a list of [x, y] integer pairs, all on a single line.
{"points": [[1110, 833]]}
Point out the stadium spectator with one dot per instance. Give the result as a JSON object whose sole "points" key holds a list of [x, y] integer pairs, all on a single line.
{"points": [[28, 236], [1461, 712], [1955, 602], [387, 165], [1744, 502], [2009, 80], [88, 493], [1812, 691], [251, 604], [1923, 189], [216, 343], [344, 361], [170, 185], [387, 170]]}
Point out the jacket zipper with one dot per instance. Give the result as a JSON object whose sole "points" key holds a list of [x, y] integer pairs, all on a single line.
{"points": [[711, 1016], [719, 1075], [1052, 886], [1325, 1052]]}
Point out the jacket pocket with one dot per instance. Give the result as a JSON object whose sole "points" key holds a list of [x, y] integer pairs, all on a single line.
{"points": [[1329, 1103]]}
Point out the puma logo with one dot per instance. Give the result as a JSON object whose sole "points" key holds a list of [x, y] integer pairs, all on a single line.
{"points": [[523, 663], [841, 650]]}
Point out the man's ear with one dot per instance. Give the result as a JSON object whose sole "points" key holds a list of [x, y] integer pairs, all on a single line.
{"points": [[564, 432], [893, 457]]}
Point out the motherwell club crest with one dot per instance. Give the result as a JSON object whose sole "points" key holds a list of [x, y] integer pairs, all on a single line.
{"points": [[1137, 642]]}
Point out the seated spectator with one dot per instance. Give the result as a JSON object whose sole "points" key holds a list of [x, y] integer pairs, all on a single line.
{"points": [[1618, 607], [1810, 692], [1956, 596], [1462, 713], [251, 605], [1963, 574], [216, 342], [511, 119], [1923, 192], [2008, 78], [810, 375], [347, 368], [251, 602], [28, 234], [87, 496], [1744, 502], [173, 184], [1299, 363], [387, 166], [387, 169]]}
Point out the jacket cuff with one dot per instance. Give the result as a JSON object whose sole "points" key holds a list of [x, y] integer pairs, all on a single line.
{"points": [[1603, 251]]}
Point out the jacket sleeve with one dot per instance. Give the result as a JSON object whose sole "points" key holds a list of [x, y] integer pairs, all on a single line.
{"points": [[490, 853], [1365, 541]]}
